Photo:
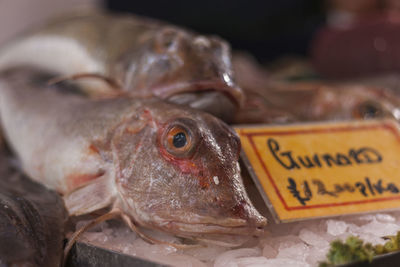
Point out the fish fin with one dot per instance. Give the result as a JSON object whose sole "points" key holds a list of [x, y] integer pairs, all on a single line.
{"points": [[114, 88], [151, 240], [71, 241], [90, 197]]}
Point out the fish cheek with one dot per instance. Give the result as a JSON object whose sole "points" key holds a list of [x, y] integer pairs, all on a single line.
{"points": [[141, 177], [166, 193], [129, 147]]}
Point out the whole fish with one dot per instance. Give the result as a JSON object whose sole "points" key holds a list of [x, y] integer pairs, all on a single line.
{"points": [[273, 101], [285, 102], [163, 166], [145, 57], [32, 220]]}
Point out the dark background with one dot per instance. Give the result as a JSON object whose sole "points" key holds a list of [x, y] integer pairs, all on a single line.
{"points": [[268, 29]]}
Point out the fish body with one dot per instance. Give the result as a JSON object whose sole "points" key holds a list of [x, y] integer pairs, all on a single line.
{"points": [[32, 220], [146, 57], [167, 167]]}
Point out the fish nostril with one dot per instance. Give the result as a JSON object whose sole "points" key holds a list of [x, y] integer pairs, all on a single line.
{"points": [[261, 223]]}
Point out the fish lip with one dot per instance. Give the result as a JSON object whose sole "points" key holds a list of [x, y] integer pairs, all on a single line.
{"points": [[231, 90], [186, 229]]}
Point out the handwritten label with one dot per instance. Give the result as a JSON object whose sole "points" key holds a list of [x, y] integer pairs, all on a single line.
{"points": [[317, 170]]}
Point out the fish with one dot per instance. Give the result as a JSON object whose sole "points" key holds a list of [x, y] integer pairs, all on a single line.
{"points": [[305, 102], [157, 165], [32, 219], [140, 56], [271, 100]]}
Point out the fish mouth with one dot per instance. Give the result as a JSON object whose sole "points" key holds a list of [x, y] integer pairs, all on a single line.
{"points": [[224, 236], [197, 229], [233, 92], [212, 102]]}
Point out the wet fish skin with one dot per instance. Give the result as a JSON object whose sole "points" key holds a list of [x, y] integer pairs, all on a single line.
{"points": [[147, 57], [116, 152], [32, 220]]}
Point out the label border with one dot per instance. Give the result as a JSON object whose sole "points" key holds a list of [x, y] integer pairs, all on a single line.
{"points": [[385, 125]]}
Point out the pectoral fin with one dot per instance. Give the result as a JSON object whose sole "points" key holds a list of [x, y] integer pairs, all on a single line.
{"points": [[93, 196]]}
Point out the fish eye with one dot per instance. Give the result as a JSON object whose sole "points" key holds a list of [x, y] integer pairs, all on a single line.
{"points": [[369, 109], [178, 140], [167, 39]]}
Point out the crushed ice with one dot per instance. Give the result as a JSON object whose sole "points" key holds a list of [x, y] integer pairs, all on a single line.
{"points": [[293, 244]]}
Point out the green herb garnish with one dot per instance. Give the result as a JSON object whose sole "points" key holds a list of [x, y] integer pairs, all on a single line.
{"points": [[354, 249]]}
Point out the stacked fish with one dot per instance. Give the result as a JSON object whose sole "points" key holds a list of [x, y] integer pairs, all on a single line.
{"points": [[118, 114], [107, 135]]}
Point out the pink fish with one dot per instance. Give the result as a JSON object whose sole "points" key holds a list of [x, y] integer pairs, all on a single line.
{"points": [[275, 101], [142, 57], [156, 164]]}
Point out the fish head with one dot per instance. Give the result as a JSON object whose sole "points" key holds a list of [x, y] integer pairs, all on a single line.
{"points": [[355, 102], [184, 68], [182, 175]]}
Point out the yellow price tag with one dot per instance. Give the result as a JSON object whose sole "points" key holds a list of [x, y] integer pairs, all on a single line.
{"points": [[318, 170]]}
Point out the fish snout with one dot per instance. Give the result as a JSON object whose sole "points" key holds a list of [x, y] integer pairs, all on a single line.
{"points": [[257, 223], [247, 212]]}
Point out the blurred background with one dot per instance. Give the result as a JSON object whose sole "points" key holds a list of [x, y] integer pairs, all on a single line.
{"points": [[17, 16], [267, 28], [341, 38]]}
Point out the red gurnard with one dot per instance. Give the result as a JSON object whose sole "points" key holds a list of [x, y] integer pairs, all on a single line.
{"points": [[275, 101], [161, 165], [143, 56]]}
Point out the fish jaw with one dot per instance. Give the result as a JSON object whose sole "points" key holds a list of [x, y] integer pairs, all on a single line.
{"points": [[193, 225], [185, 229], [213, 102], [241, 219], [217, 97], [170, 215], [226, 87], [252, 224]]}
